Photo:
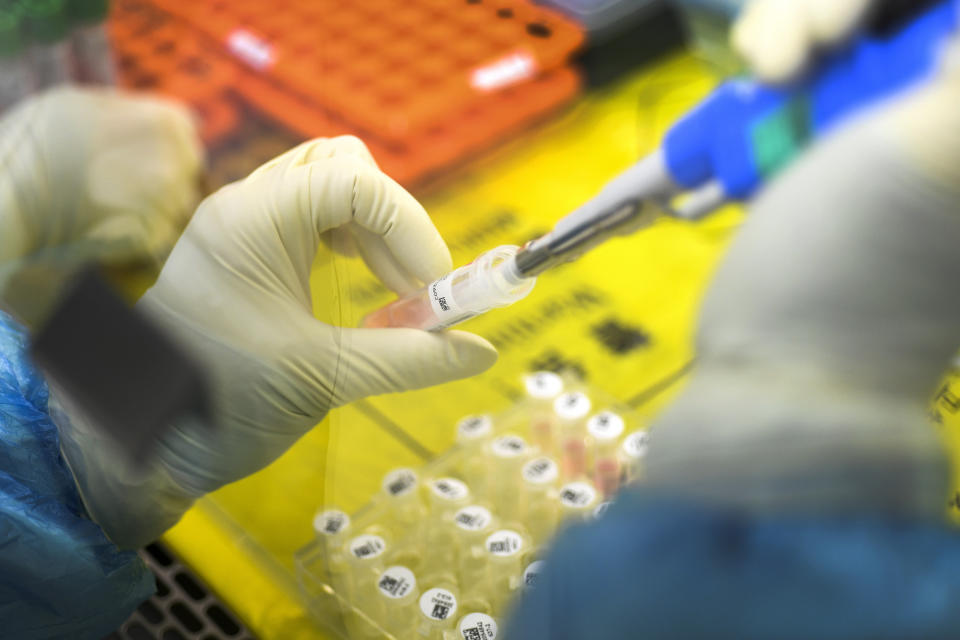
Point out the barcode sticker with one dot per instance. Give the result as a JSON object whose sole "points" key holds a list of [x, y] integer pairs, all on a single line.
{"points": [[438, 604], [477, 626], [400, 482], [543, 385], [396, 582], [367, 546], [572, 406], [450, 489], [474, 427], [635, 444], [505, 542], [577, 495], [473, 518], [330, 522], [532, 573], [509, 446], [605, 426], [541, 470]]}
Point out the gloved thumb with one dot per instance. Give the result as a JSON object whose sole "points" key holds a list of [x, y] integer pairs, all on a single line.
{"points": [[375, 361]]}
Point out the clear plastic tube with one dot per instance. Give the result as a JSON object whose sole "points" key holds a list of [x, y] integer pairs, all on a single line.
{"points": [[571, 410], [437, 612], [540, 477], [365, 554], [508, 453], [505, 549], [577, 501], [490, 281], [477, 626], [631, 454], [447, 495], [604, 430], [397, 591], [542, 388], [473, 432], [472, 525]]}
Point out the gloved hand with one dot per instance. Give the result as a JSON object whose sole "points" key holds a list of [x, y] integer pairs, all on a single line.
{"points": [[236, 293], [829, 323], [779, 37], [89, 175]]}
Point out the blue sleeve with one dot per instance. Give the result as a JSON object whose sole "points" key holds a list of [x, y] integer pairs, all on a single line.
{"points": [[60, 577], [654, 568]]}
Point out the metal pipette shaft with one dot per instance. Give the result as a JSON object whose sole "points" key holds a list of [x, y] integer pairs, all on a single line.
{"points": [[627, 203]]}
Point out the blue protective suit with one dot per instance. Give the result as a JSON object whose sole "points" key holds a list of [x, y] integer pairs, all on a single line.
{"points": [[657, 568], [60, 577]]}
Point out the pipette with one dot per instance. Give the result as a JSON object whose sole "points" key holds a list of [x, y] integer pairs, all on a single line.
{"points": [[723, 150]]}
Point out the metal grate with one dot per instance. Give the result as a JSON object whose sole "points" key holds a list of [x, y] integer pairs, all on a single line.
{"points": [[183, 608]]}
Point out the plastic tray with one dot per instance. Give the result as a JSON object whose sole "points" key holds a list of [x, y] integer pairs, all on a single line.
{"points": [[343, 596]]}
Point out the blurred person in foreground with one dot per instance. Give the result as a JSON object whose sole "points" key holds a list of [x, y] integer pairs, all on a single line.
{"points": [[794, 489]]}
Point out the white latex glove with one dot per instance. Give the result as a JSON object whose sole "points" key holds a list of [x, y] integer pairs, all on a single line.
{"points": [[778, 37], [829, 324], [236, 293], [90, 175]]}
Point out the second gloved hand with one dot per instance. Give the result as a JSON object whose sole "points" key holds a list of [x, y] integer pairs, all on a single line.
{"points": [[236, 293]]}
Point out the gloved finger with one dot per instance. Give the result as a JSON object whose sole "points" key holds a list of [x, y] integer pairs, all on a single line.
{"points": [[341, 240], [381, 261], [345, 190], [318, 149], [774, 38], [831, 21], [390, 360]]}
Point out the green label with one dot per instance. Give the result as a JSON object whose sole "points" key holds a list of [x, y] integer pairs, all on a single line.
{"points": [[778, 137]]}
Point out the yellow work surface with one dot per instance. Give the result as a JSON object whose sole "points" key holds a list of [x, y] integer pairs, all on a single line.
{"points": [[622, 317]]}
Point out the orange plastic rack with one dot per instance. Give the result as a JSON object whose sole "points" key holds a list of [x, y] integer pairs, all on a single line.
{"points": [[155, 53], [391, 67], [444, 144], [160, 53]]}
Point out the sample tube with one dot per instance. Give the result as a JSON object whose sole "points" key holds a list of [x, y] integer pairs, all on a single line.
{"points": [[492, 280], [472, 525], [508, 453], [47, 24], [571, 409], [532, 573], [365, 554], [397, 588], [477, 626], [542, 387], [15, 81], [447, 495], [504, 551], [540, 477], [632, 452], [605, 429], [473, 432], [437, 611], [577, 500], [400, 488], [332, 527], [331, 524], [89, 43]]}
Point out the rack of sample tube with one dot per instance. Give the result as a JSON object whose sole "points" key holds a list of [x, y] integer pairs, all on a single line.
{"points": [[443, 551]]}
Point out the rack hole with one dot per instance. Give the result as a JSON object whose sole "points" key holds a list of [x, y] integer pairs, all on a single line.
{"points": [[539, 30]]}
